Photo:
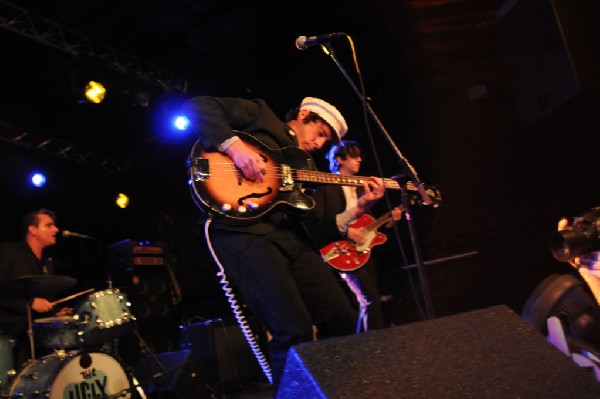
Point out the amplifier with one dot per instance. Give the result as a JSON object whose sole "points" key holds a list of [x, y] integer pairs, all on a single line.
{"points": [[140, 269], [221, 345], [126, 253]]}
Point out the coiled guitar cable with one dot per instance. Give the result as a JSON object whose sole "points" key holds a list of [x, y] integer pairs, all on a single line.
{"points": [[237, 311]]}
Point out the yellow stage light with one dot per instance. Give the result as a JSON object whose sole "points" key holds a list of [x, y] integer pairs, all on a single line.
{"points": [[95, 92], [122, 201]]}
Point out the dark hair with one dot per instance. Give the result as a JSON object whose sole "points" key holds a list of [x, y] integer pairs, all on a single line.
{"points": [[33, 219], [344, 149]]}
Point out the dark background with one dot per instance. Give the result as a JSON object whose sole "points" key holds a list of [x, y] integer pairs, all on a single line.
{"points": [[494, 103]]}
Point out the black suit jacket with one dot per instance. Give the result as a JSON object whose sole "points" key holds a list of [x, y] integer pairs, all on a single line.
{"points": [[17, 260]]}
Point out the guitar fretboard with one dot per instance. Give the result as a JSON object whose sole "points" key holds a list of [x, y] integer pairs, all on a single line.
{"points": [[333, 178]]}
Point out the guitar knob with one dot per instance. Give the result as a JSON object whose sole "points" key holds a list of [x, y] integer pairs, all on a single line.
{"points": [[242, 209], [251, 204], [226, 207]]}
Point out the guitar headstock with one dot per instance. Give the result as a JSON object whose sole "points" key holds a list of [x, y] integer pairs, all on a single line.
{"points": [[435, 197]]}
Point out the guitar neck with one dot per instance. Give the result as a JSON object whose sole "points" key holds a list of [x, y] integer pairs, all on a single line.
{"points": [[343, 180], [379, 221]]}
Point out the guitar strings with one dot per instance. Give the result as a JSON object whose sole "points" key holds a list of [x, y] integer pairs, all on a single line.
{"points": [[321, 176]]}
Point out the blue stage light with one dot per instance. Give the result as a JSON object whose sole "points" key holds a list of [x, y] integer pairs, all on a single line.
{"points": [[181, 122], [38, 179], [169, 124]]}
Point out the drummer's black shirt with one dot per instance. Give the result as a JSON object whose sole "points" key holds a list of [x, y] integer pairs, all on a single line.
{"points": [[18, 260]]}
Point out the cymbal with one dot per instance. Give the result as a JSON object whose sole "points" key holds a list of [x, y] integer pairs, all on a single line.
{"points": [[27, 287]]}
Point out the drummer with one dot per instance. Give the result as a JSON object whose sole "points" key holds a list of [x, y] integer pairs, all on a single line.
{"points": [[26, 258]]}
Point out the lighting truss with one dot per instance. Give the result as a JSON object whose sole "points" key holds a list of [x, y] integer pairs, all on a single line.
{"points": [[19, 136], [49, 33]]}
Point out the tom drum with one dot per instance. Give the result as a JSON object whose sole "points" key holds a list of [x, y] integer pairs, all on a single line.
{"points": [[104, 316], [57, 333]]}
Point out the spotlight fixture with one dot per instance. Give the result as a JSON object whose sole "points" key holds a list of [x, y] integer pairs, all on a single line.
{"points": [[95, 92]]}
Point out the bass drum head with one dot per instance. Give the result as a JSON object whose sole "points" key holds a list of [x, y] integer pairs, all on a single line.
{"points": [[83, 374]]}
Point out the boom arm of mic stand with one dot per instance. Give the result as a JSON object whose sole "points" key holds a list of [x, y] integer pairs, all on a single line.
{"points": [[407, 169]]}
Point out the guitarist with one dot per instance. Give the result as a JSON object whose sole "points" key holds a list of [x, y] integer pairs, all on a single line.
{"points": [[271, 261], [346, 159]]}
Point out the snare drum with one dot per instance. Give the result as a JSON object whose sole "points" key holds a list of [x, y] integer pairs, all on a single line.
{"points": [[57, 333], [105, 315], [76, 374], [7, 360]]}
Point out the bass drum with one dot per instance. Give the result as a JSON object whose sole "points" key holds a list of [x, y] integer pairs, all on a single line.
{"points": [[78, 374]]}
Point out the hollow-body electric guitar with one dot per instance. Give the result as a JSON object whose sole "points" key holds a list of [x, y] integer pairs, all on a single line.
{"points": [[345, 255], [220, 189]]}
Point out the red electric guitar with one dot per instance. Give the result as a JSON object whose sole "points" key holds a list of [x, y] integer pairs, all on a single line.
{"points": [[345, 255]]}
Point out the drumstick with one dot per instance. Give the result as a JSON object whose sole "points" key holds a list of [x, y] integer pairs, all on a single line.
{"points": [[71, 296]]}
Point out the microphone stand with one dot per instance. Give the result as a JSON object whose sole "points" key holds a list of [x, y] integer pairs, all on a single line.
{"points": [[407, 173]]}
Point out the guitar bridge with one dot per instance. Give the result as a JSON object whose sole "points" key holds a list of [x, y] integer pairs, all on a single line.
{"points": [[287, 180], [200, 170]]}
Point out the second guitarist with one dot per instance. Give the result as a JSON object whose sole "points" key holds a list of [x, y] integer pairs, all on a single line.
{"points": [[332, 200]]}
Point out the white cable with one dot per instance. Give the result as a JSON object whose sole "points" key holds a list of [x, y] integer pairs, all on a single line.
{"points": [[363, 302], [235, 307]]}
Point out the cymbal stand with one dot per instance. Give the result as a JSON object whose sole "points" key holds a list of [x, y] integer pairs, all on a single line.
{"points": [[30, 330], [163, 370], [124, 392], [148, 350]]}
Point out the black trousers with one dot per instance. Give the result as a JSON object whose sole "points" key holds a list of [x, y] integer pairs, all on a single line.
{"points": [[287, 287]]}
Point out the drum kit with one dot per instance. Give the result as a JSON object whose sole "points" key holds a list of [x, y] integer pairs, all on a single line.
{"points": [[77, 366]]}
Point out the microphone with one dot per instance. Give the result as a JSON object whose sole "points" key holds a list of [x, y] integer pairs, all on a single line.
{"points": [[303, 42], [67, 234]]}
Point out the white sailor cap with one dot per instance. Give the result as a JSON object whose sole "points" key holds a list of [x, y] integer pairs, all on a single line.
{"points": [[328, 112]]}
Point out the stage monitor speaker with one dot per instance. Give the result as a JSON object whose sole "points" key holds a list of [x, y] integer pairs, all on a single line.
{"points": [[487, 353], [173, 375], [221, 345]]}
